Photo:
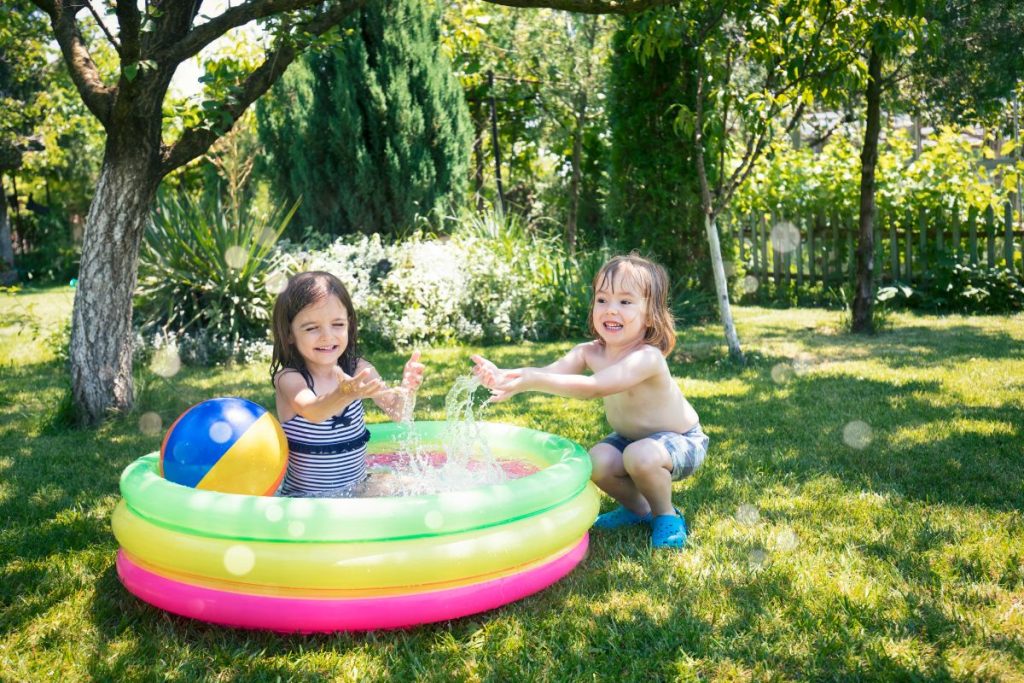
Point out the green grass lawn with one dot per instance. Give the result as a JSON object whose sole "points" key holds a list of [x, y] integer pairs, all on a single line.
{"points": [[858, 517]]}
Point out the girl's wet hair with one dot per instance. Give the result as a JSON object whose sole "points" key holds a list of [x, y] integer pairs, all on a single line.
{"points": [[302, 290], [651, 281]]}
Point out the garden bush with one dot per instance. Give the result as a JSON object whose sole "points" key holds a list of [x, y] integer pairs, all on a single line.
{"points": [[203, 278]]}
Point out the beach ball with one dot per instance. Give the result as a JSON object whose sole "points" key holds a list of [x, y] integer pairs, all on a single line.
{"points": [[226, 444]]}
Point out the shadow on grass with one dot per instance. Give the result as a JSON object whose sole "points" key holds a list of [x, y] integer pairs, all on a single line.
{"points": [[60, 489]]}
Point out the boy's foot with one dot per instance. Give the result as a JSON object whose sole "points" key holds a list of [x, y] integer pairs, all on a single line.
{"points": [[620, 517], [668, 531]]}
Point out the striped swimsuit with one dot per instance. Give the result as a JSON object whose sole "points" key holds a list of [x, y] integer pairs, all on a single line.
{"points": [[325, 456]]}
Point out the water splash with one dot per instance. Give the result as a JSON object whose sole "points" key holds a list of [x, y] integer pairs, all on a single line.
{"points": [[466, 461]]}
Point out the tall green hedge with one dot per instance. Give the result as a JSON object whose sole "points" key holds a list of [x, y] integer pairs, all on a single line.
{"points": [[373, 132]]}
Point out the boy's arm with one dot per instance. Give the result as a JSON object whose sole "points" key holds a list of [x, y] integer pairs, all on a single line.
{"points": [[490, 375], [628, 372]]}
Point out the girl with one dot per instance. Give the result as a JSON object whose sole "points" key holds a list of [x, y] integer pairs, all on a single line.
{"points": [[321, 380], [657, 437]]}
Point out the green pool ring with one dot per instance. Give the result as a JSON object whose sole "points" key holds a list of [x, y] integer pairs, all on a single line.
{"points": [[565, 473]]}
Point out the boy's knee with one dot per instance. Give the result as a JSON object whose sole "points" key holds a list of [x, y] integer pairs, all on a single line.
{"points": [[643, 455], [605, 462]]}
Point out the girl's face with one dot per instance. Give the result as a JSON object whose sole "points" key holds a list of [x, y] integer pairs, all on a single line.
{"points": [[620, 312], [319, 332]]}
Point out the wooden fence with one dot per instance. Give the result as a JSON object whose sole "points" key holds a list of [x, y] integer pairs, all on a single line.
{"points": [[821, 249]]}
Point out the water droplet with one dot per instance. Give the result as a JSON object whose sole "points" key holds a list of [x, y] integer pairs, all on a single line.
{"points": [[166, 362], [239, 560], [785, 237], [750, 284], [150, 424], [857, 434], [236, 257], [276, 282], [433, 519], [782, 373], [747, 514], [220, 431], [786, 540], [803, 363]]}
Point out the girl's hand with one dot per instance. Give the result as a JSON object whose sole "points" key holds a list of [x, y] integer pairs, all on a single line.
{"points": [[362, 385], [412, 376], [489, 374]]}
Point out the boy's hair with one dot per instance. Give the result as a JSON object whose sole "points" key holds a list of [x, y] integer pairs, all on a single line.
{"points": [[302, 290], [652, 281]]}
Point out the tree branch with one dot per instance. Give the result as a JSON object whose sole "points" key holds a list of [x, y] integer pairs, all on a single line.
{"points": [[233, 17], [96, 94], [103, 27], [194, 142], [130, 21], [587, 6]]}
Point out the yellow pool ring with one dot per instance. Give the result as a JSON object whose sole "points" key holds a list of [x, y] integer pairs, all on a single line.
{"points": [[457, 557]]}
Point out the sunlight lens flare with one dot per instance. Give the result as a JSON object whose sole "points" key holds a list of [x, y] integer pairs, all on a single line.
{"points": [[151, 424], [166, 362], [857, 434]]}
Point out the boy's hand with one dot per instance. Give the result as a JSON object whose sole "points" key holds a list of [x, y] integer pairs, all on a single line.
{"points": [[489, 374], [412, 376], [512, 382]]}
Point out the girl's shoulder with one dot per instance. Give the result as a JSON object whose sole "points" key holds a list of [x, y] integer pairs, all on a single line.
{"points": [[287, 374]]}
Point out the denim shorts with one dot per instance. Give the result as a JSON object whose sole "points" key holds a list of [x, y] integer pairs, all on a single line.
{"points": [[687, 450]]}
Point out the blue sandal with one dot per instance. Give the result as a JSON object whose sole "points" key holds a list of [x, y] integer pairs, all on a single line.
{"points": [[668, 531], [620, 517]]}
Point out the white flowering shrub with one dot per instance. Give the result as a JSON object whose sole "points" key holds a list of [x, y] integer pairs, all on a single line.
{"points": [[431, 290]]}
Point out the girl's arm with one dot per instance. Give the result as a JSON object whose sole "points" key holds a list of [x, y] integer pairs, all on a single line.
{"points": [[397, 402], [628, 372], [292, 388]]}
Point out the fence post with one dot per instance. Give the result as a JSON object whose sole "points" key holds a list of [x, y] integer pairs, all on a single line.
{"points": [[922, 255], [908, 267], [972, 234], [814, 225], [764, 250], [990, 234], [940, 229], [894, 250], [956, 231], [800, 258], [1008, 240], [740, 230]]}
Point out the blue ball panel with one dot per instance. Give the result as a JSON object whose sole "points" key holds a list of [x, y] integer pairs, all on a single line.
{"points": [[202, 435]]}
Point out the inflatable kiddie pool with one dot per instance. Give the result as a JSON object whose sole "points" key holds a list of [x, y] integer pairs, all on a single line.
{"points": [[339, 564]]}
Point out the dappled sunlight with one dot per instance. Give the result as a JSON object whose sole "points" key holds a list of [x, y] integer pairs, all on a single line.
{"points": [[927, 433]]}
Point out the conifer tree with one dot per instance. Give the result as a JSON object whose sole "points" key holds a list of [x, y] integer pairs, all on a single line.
{"points": [[374, 132]]}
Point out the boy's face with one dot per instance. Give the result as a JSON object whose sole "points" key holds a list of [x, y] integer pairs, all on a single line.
{"points": [[620, 311], [320, 332]]}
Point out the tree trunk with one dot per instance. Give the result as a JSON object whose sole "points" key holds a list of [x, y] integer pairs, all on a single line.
{"points": [[864, 298], [479, 128], [8, 276], [722, 289], [101, 333], [577, 171]]}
